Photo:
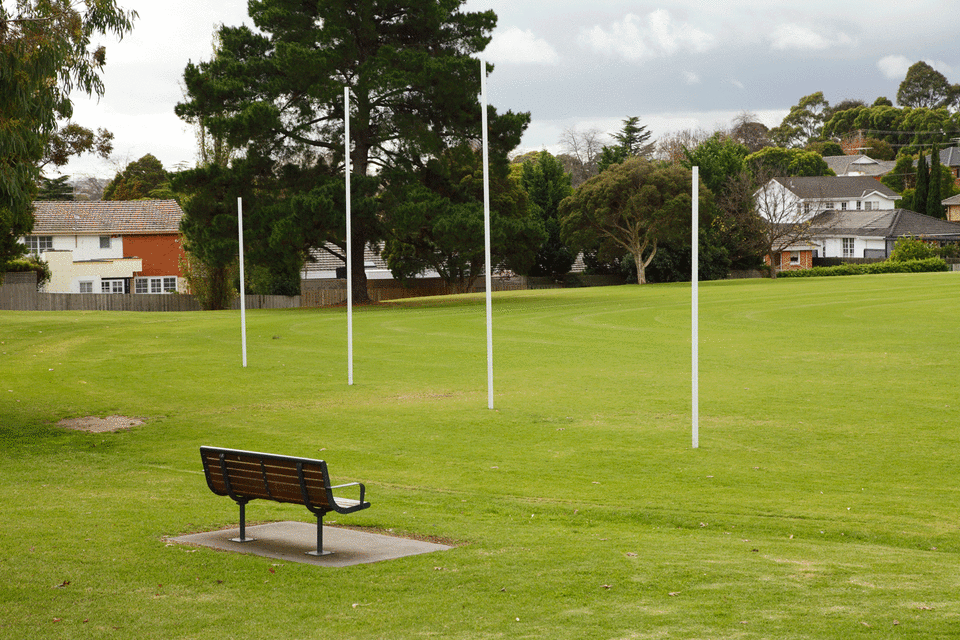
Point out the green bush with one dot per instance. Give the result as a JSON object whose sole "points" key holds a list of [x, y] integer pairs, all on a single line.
{"points": [[29, 263], [911, 248], [890, 266]]}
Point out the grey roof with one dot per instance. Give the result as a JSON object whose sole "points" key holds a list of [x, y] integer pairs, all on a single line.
{"points": [[952, 200], [949, 157], [131, 217], [892, 223], [862, 164], [836, 187]]}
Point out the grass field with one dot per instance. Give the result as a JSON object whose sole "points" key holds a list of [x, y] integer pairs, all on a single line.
{"points": [[822, 503]]}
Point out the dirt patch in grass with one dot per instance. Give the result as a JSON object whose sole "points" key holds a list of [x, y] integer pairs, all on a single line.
{"points": [[94, 424]]}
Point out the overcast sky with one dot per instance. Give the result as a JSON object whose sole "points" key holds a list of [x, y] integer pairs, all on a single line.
{"points": [[675, 64]]}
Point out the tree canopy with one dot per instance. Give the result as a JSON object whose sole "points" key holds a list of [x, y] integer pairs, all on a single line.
{"points": [[278, 92], [630, 207], [547, 184], [46, 52], [926, 87], [143, 178]]}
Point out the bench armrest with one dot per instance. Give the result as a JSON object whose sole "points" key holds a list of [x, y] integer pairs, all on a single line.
{"points": [[351, 484]]}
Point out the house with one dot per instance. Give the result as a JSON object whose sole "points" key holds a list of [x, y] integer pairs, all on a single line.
{"points": [[953, 208], [798, 199], [949, 158], [859, 165], [873, 234], [109, 247]]}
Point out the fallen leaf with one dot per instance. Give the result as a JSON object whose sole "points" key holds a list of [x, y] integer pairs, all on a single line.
{"points": [[631, 554], [606, 586], [63, 584], [674, 593]]}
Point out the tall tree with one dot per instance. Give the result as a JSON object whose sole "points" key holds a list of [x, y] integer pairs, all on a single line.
{"points": [[804, 123], [437, 221], [923, 184], [46, 52], [409, 65], [55, 189], [143, 178], [632, 141], [631, 207], [924, 86], [547, 184], [934, 208]]}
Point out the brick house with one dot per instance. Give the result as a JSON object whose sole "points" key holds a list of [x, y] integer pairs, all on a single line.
{"points": [[109, 247]]}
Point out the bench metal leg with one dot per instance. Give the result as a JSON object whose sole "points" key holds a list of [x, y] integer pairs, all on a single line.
{"points": [[243, 525], [319, 551]]}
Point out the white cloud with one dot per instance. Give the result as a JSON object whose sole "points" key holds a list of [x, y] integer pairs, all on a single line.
{"points": [[518, 46], [690, 77], [792, 36], [636, 38], [895, 67]]}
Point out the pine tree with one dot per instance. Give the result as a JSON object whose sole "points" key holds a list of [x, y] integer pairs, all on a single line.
{"points": [[923, 182], [934, 208], [55, 189]]}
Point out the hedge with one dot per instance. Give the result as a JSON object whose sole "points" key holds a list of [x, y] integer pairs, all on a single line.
{"points": [[907, 266]]}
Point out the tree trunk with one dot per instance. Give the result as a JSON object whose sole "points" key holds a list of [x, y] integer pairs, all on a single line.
{"points": [[360, 293]]}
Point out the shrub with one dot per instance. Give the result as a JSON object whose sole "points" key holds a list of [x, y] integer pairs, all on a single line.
{"points": [[911, 248], [29, 263], [890, 266]]}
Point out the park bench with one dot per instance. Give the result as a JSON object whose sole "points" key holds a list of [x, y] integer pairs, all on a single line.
{"points": [[248, 475]]}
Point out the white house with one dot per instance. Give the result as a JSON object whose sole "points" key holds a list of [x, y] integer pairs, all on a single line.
{"points": [[798, 199], [859, 165], [109, 247], [872, 234]]}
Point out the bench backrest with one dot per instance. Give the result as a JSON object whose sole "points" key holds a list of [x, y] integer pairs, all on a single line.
{"points": [[247, 475]]}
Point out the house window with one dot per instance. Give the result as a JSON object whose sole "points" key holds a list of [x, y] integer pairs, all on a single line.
{"points": [[859, 205], [794, 257], [806, 208], [827, 206], [111, 286], [165, 284], [843, 206], [848, 251], [36, 244], [86, 286], [868, 206], [104, 242]]}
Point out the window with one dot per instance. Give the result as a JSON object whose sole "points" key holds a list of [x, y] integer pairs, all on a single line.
{"points": [[36, 244], [868, 206], [859, 205], [86, 286], [104, 242], [112, 286], [848, 250], [827, 206], [843, 206], [806, 207], [794, 257], [165, 284]]}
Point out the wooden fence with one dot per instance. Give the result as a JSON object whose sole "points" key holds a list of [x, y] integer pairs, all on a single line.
{"points": [[19, 293]]}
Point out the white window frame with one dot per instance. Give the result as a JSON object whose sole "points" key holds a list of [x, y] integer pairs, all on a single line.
{"points": [[868, 206], [849, 247], [37, 244], [794, 257], [156, 284], [843, 206], [105, 242], [86, 286], [112, 285]]}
